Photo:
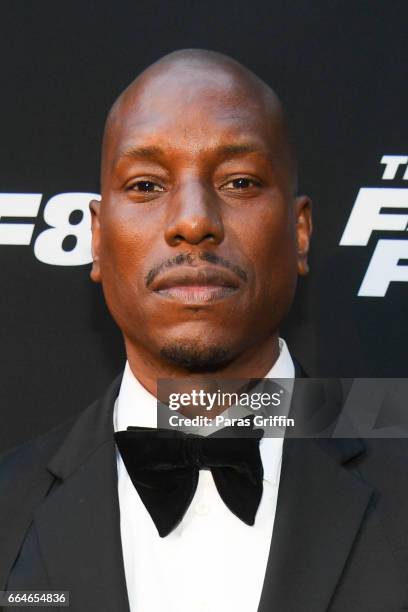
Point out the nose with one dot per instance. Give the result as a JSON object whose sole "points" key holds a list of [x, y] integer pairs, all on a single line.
{"points": [[193, 215]]}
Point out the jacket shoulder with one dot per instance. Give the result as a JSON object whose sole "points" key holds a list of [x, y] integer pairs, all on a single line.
{"points": [[24, 482], [24, 479], [26, 464], [23, 460]]}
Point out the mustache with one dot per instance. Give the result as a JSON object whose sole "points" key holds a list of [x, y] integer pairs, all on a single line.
{"points": [[190, 259]]}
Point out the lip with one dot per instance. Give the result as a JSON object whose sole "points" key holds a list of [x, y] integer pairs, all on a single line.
{"points": [[196, 285]]}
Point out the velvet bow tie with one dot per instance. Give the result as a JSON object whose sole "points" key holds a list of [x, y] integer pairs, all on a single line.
{"points": [[164, 466]]}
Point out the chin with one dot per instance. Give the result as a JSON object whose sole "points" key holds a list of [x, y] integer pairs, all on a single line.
{"points": [[195, 358]]}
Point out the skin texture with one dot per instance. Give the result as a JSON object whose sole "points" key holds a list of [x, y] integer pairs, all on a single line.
{"points": [[198, 177]]}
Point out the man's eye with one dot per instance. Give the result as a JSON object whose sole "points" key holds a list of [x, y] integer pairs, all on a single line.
{"points": [[146, 186], [241, 183]]}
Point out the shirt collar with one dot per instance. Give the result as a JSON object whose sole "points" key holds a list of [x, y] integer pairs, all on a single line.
{"points": [[138, 407]]}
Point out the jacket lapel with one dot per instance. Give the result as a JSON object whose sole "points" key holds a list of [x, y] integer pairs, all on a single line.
{"points": [[78, 525], [320, 508]]}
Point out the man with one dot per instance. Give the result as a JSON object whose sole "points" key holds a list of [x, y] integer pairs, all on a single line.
{"points": [[198, 240]]}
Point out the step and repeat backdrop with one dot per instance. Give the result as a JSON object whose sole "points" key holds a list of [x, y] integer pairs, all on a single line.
{"points": [[340, 69]]}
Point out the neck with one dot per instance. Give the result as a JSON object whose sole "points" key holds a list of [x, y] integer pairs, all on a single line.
{"points": [[254, 362]]}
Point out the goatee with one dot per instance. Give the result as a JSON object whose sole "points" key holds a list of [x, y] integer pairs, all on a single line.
{"points": [[195, 358]]}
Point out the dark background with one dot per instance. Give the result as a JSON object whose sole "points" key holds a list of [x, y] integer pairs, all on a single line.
{"points": [[341, 70]]}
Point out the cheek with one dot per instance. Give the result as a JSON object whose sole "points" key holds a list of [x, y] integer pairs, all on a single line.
{"points": [[276, 268], [122, 254], [268, 240], [126, 238]]}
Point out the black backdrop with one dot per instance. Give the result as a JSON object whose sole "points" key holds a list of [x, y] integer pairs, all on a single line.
{"points": [[341, 69]]}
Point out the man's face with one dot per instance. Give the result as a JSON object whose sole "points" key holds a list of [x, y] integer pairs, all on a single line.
{"points": [[197, 238]]}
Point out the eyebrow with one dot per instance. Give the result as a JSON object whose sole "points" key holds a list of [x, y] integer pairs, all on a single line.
{"points": [[240, 149], [229, 150], [150, 152]]}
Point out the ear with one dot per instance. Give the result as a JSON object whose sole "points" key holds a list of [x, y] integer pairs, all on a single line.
{"points": [[94, 207], [303, 207]]}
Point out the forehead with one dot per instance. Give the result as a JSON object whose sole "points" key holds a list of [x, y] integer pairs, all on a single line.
{"points": [[191, 111]]}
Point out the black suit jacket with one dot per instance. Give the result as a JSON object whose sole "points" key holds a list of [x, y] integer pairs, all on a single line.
{"points": [[340, 538]]}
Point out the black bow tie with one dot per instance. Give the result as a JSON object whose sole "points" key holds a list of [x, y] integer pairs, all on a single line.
{"points": [[164, 465]]}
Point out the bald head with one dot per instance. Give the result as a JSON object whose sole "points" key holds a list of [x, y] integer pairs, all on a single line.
{"points": [[202, 78]]}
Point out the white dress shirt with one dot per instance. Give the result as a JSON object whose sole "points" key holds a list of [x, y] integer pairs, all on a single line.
{"points": [[212, 561]]}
